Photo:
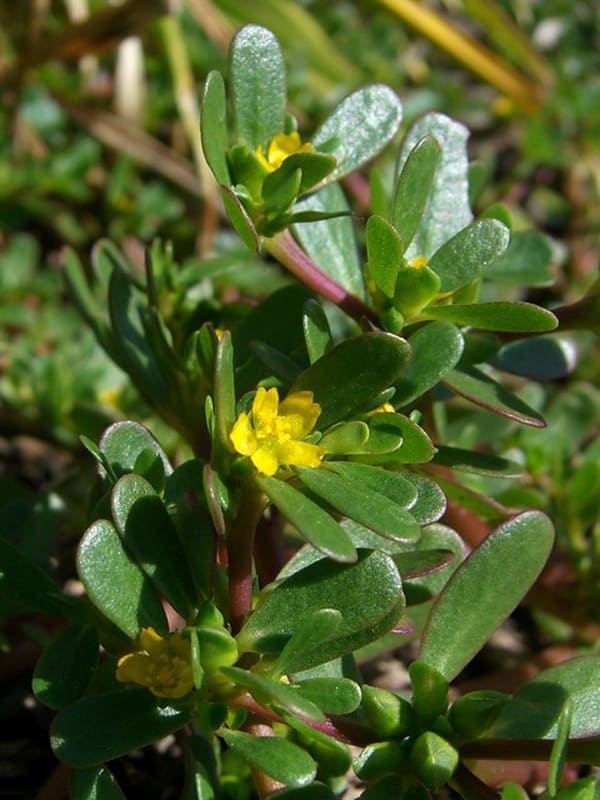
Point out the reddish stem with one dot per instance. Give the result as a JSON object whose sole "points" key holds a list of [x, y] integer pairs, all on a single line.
{"points": [[288, 252], [240, 545]]}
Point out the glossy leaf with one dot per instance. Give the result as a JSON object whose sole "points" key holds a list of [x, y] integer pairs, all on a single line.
{"points": [[475, 385], [477, 462], [277, 757], [224, 390], [123, 442], [333, 757], [413, 187], [444, 549], [392, 485], [436, 348], [214, 126], [359, 128], [240, 219], [416, 446], [513, 317], [317, 627], [368, 594], [94, 783], [104, 563], [149, 534], [105, 726], [317, 333], [268, 691], [461, 259], [467, 613], [431, 503], [331, 695], [447, 210], [542, 358], [366, 506], [537, 706], [339, 387], [316, 791], [257, 73], [558, 756], [66, 666], [331, 243], [384, 254], [313, 523], [345, 438]]}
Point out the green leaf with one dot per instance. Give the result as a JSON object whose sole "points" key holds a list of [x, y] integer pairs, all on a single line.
{"points": [[116, 584], [539, 703], [277, 757], [384, 254], [413, 187], [240, 219], [512, 791], [66, 666], [462, 258], [467, 612], [430, 691], [436, 348], [477, 462], [366, 506], [345, 438], [512, 317], [431, 503], [333, 757], [123, 443], [368, 594], [390, 716], [94, 783], [320, 626], [316, 791], [359, 128], [542, 358], [445, 548], [213, 122], [27, 587], [313, 168], [447, 210], [105, 726], [380, 758], [200, 754], [267, 691], [392, 485], [340, 387], [313, 523], [526, 262], [479, 388], [416, 446], [559, 749], [317, 333], [280, 189], [331, 243], [433, 760], [257, 73], [150, 536], [224, 390], [331, 695]]}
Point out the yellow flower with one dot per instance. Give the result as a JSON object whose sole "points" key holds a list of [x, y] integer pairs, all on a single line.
{"points": [[384, 408], [272, 433], [280, 147], [162, 665]]}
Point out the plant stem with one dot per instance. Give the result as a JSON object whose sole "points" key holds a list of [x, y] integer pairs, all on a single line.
{"points": [[288, 252], [470, 787], [240, 545]]}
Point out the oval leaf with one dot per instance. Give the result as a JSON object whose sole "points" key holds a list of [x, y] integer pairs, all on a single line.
{"points": [[331, 695], [257, 73], [103, 563], [124, 442], [95, 783], [214, 126], [313, 523], [340, 387], [467, 611], [66, 666], [514, 317], [277, 757], [359, 128], [105, 726], [384, 254], [413, 187]]}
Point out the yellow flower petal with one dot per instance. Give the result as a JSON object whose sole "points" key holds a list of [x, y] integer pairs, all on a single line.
{"points": [[133, 668], [301, 405], [151, 641], [242, 436], [299, 454], [265, 461], [164, 667], [264, 410]]}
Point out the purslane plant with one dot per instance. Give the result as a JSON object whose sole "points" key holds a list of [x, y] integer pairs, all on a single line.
{"points": [[226, 596]]}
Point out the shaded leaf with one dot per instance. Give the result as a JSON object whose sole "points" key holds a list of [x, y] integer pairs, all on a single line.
{"points": [[277, 757]]}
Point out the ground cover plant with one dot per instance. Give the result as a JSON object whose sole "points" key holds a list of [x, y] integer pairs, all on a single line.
{"points": [[331, 429]]}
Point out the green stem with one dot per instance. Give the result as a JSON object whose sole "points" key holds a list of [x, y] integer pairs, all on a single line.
{"points": [[240, 546], [288, 252]]}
